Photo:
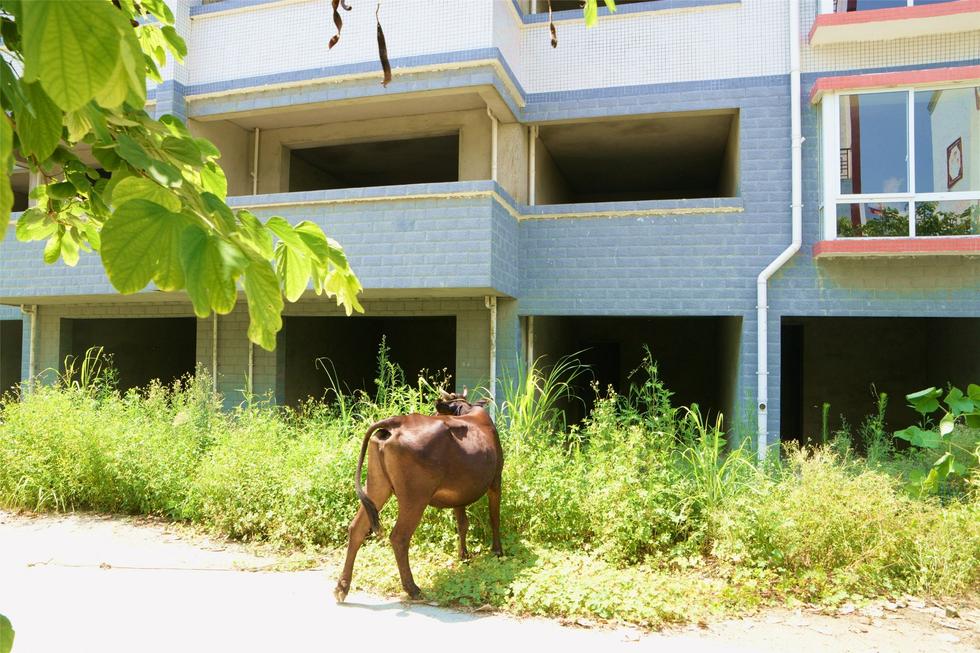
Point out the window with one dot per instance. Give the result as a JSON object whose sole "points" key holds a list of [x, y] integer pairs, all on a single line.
{"points": [[907, 163], [844, 6]]}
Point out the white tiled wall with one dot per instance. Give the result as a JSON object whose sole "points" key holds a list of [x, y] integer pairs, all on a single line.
{"points": [[293, 36], [924, 50]]}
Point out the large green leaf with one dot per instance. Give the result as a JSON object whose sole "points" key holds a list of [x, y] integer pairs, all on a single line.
{"points": [[264, 304], [293, 267], [920, 437], [209, 270], [70, 46], [925, 401], [136, 188], [254, 234], [6, 165], [131, 244], [957, 402], [34, 224], [39, 132], [6, 635]]}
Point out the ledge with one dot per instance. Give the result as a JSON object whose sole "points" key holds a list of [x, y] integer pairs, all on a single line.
{"points": [[902, 78], [896, 23], [875, 247]]}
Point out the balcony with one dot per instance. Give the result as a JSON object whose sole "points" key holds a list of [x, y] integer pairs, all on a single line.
{"points": [[850, 21]]}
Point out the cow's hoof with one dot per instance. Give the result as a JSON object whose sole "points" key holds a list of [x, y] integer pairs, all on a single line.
{"points": [[414, 593], [340, 592]]}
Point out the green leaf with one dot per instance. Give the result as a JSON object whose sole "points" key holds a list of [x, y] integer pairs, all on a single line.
{"points": [[164, 174], [293, 267], [591, 11], [254, 233], [264, 304], [69, 248], [213, 180], [946, 424], [71, 47], [286, 233], [52, 250], [925, 401], [182, 149], [136, 188], [39, 132], [116, 88], [973, 392], [11, 90], [217, 208], [920, 437], [6, 635], [177, 44], [160, 10], [131, 245], [62, 190], [132, 152], [944, 466], [35, 225], [6, 166], [209, 270], [611, 5], [973, 420], [957, 402]]}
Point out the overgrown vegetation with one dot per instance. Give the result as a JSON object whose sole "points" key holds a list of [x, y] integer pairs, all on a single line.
{"points": [[641, 513]]}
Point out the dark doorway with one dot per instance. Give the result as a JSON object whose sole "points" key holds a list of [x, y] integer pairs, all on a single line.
{"points": [[142, 349], [846, 361], [696, 356], [11, 338], [348, 347], [791, 384]]}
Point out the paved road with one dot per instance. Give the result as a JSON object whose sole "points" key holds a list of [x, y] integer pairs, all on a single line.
{"points": [[83, 584]]}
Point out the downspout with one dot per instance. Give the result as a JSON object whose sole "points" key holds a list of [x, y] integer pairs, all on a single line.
{"points": [[762, 306], [32, 346], [493, 144], [255, 191], [214, 352], [491, 303], [531, 162]]}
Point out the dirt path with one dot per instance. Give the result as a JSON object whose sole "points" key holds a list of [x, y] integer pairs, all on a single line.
{"points": [[90, 583]]}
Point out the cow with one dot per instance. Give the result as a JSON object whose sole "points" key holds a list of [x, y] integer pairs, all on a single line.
{"points": [[448, 460]]}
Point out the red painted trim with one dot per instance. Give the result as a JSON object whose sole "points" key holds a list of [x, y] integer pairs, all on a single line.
{"points": [[867, 81], [894, 13], [897, 246]]}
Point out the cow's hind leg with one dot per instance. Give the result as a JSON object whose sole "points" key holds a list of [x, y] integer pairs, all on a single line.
{"points": [[493, 499], [379, 491], [409, 515], [462, 526]]}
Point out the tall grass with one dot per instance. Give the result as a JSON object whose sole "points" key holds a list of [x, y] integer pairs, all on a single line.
{"points": [[639, 484]]}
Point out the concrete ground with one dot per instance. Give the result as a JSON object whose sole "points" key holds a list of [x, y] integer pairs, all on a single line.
{"points": [[85, 583]]}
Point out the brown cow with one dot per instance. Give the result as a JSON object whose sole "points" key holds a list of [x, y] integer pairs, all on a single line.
{"points": [[448, 461]]}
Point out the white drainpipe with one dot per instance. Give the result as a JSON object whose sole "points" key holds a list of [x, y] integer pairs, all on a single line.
{"points": [[491, 303], [32, 345], [530, 342], [494, 123], [214, 352], [531, 158], [255, 191], [762, 306]]}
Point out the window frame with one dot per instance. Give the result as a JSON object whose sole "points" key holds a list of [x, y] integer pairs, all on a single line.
{"points": [[832, 196], [829, 6]]}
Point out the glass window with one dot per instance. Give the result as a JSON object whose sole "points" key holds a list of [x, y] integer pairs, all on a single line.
{"points": [[949, 218], [873, 219], [861, 5], [947, 140], [873, 143]]}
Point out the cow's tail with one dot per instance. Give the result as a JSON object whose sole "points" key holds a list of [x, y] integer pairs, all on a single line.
{"points": [[369, 507]]}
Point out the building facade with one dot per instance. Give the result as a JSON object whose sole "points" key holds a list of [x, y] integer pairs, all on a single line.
{"points": [[503, 200]]}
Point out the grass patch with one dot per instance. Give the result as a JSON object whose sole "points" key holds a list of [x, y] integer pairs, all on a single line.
{"points": [[643, 513]]}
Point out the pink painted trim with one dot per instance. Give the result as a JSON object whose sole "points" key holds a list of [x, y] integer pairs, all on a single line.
{"points": [[895, 13], [899, 78], [897, 246]]}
